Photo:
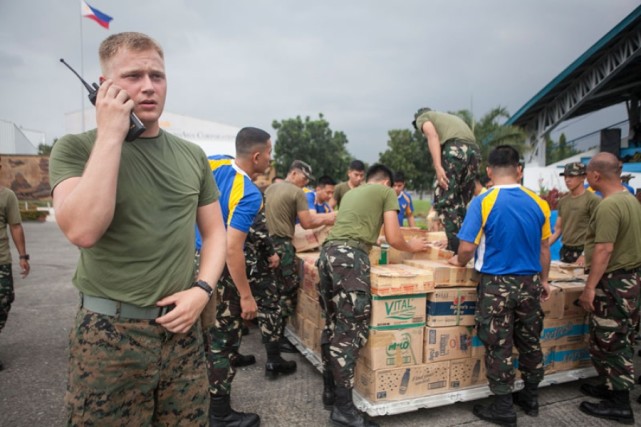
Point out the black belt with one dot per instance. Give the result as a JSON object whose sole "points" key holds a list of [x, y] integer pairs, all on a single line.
{"points": [[122, 310], [356, 244]]}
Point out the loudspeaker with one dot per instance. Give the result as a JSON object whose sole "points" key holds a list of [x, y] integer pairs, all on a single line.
{"points": [[611, 141]]}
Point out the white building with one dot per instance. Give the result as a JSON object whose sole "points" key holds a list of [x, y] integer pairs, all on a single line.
{"points": [[212, 137], [16, 140]]}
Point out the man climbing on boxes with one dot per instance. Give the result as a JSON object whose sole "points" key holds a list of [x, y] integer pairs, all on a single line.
{"points": [[345, 294], [611, 295], [508, 228]]}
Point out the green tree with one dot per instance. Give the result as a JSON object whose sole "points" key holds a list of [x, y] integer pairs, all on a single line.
{"points": [[557, 151], [408, 152], [45, 149], [489, 133], [311, 141]]}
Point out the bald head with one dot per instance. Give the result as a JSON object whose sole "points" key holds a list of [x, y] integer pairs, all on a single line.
{"points": [[606, 164]]}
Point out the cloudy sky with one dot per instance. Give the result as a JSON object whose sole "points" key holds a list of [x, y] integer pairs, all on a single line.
{"points": [[367, 65]]}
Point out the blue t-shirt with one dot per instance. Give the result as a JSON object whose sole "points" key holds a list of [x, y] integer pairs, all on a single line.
{"points": [[507, 223], [240, 199], [311, 202], [406, 207]]}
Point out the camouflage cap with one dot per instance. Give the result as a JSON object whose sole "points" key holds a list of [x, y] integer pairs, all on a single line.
{"points": [[573, 169], [303, 167]]}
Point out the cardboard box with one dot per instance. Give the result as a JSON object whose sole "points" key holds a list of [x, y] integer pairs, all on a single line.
{"points": [[447, 343], [309, 334], [433, 253], [451, 307], [564, 331], [478, 348], [400, 279], [401, 383], [310, 308], [572, 356], [447, 275], [388, 348], [570, 292], [553, 307], [304, 240], [467, 372], [398, 310], [309, 276], [564, 271]]}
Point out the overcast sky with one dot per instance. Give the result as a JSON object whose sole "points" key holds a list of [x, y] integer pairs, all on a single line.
{"points": [[367, 65]]}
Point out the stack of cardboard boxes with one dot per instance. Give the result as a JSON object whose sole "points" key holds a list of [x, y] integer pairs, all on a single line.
{"points": [[422, 339]]}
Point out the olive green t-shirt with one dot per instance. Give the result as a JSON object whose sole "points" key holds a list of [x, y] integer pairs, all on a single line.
{"points": [[147, 253], [361, 214], [448, 126], [9, 215], [575, 213], [339, 192], [617, 219], [283, 201]]}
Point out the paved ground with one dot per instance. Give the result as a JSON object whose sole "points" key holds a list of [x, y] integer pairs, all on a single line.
{"points": [[33, 347]]}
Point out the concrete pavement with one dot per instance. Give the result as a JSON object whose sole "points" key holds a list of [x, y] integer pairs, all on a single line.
{"points": [[33, 347]]}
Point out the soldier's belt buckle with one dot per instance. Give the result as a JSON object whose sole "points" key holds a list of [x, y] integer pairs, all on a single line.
{"points": [[166, 309]]}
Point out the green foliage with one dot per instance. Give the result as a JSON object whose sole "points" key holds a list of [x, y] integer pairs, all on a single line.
{"points": [[44, 149], [33, 215], [311, 141], [557, 151], [408, 153]]}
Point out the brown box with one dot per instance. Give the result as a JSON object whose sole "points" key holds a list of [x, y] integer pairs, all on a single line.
{"points": [[564, 331], [304, 240], [447, 343], [398, 310], [467, 372], [570, 292], [310, 278], [401, 383], [451, 307], [566, 271], [433, 253], [309, 334], [447, 275], [312, 309], [388, 348], [399, 279], [478, 348], [571, 356], [553, 307]]}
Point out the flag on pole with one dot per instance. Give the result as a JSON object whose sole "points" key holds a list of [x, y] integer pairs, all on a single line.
{"points": [[92, 13]]}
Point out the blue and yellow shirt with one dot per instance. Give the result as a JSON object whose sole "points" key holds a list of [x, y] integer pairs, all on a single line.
{"points": [[311, 202], [507, 223], [406, 207], [240, 199]]}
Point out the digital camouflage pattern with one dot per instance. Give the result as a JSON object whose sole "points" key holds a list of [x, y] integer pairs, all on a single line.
{"points": [[262, 279], [346, 300], [7, 295], [287, 276], [134, 373], [461, 163], [570, 254], [613, 325], [225, 336], [508, 314]]}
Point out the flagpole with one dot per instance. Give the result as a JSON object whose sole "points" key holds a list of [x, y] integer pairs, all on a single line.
{"points": [[82, 73]]}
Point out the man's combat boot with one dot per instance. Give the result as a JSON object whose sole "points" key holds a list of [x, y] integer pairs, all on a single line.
{"points": [[286, 346], [328, 378], [275, 364], [344, 413], [528, 399], [238, 360], [221, 414], [616, 408], [599, 391], [499, 412]]}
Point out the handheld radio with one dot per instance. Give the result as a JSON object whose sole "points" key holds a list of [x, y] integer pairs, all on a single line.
{"points": [[136, 128]]}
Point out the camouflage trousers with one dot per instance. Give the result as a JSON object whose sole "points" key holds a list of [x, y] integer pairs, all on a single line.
{"points": [[262, 281], [613, 326], [461, 163], [287, 276], [134, 373], [7, 296], [224, 336], [570, 254], [346, 300], [508, 314]]}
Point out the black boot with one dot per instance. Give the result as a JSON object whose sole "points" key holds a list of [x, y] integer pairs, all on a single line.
{"points": [[238, 360], [221, 414], [344, 413], [599, 391], [275, 364], [617, 408], [1, 365], [244, 329], [286, 346], [528, 399], [499, 412], [328, 378]]}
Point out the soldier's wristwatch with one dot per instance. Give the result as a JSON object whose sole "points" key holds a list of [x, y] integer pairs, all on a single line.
{"points": [[25, 257], [204, 286]]}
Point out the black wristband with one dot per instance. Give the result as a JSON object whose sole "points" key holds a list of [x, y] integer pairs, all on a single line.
{"points": [[204, 286], [25, 257]]}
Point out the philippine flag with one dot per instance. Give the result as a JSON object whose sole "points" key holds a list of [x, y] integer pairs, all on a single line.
{"points": [[93, 13]]}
